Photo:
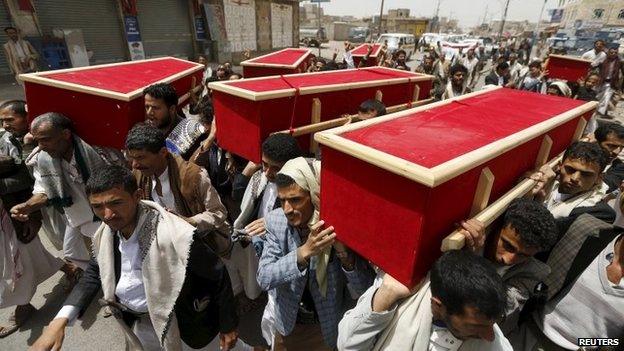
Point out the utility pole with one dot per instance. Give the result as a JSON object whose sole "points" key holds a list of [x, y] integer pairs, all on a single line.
{"points": [[500, 33], [380, 18], [486, 13], [536, 32], [318, 34], [437, 18]]}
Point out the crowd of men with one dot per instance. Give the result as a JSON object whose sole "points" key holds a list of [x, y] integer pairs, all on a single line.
{"points": [[184, 239]]}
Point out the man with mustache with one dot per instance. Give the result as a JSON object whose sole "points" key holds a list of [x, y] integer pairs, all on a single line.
{"points": [[180, 186], [161, 107]]}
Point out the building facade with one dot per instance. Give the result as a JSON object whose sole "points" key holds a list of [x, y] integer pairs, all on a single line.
{"points": [[592, 14], [121, 30]]}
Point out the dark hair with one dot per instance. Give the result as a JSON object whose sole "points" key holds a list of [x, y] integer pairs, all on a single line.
{"points": [[373, 105], [205, 110], [281, 147], [587, 152], [145, 137], [6, 29], [240, 76], [283, 181], [55, 119], [109, 177], [533, 223], [599, 40], [462, 279], [604, 129], [458, 68], [536, 64], [399, 52], [17, 106], [502, 66], [163, 91]]}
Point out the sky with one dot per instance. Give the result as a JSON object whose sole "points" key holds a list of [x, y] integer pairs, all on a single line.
{"points": [[468, 12]]}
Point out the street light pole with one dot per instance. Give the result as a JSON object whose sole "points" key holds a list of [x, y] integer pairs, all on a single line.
{"points": [[380, 18], [500, 33]]}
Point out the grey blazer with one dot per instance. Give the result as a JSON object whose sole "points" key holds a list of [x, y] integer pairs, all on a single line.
{"points": [[278, 271]]}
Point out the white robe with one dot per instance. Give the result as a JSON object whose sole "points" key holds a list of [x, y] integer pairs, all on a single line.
{"points": [[23, 266]]}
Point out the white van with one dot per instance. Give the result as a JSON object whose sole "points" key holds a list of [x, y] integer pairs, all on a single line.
{"points": [[399, 41]]}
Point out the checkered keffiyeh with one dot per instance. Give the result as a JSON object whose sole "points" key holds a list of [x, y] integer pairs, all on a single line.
{"points": [[564, 253]]}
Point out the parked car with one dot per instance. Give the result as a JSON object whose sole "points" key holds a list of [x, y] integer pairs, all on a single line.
{"points": [[358, 34], [312, 37], [397, 41]]}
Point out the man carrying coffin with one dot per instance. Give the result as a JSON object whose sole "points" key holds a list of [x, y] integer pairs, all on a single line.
{"points": [[454, 308], [61, 167], [303, 267], [180, 186], [576, 188]]}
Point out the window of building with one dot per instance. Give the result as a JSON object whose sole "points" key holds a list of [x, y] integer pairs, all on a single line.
{"points": [[621, 14], [598, 13]]}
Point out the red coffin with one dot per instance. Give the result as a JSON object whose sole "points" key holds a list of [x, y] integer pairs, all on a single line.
{"points": [[287, 61], [567, 67], [105, 101], [249, 110], [393, 187], [359, 52]]}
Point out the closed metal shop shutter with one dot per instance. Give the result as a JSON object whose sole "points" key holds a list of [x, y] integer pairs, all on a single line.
{"points": [[98, 19], [165, 28], [5, 21]]}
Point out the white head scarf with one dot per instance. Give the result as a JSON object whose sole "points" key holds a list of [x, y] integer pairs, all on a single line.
{"points": [[563, 87], [306, 173]]}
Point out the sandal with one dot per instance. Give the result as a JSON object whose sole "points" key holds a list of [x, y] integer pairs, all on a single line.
{"points": [[17, 319]]}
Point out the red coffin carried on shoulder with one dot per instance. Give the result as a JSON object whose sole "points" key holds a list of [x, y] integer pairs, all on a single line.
{"points": [[359, 52], [247, 111], [286, 61], [567, 67], [394, 186], [105, 101]]}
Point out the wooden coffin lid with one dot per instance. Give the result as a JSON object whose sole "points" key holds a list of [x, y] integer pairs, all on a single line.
{"points": [[436, 174], [54, 78], [277, 59], [243, 88], [362, 49]]}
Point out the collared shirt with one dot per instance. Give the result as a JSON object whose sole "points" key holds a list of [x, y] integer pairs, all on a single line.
{"points": [[501, 80], [130, 289], [166, 200]]}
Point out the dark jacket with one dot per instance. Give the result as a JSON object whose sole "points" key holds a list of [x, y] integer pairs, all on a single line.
{"points": [[586, 94], [601, 211], [614, 175], [492, 79], [205, 277]]}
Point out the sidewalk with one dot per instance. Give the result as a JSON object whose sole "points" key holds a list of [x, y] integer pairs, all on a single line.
{"points": [[11, 91]]}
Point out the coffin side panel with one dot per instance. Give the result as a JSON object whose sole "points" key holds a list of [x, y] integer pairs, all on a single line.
{"points": [[376, 213]]}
